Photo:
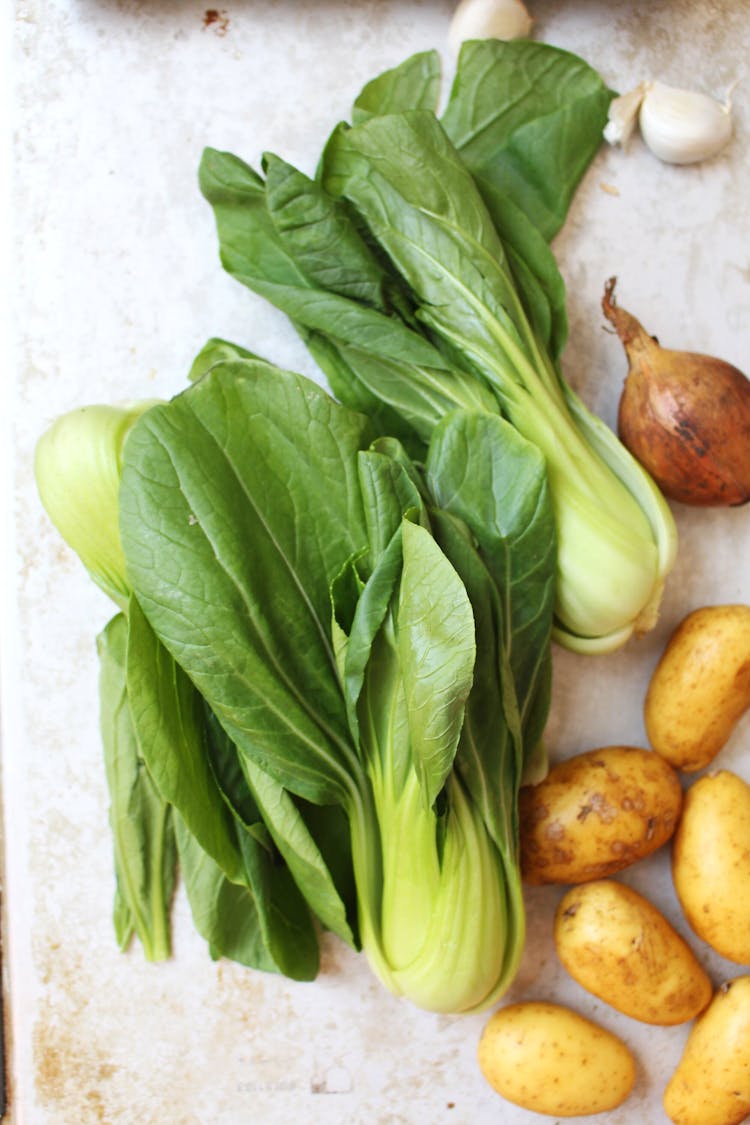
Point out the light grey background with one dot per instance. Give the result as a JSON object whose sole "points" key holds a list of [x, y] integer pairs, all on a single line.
{"points": [[113, 285]]}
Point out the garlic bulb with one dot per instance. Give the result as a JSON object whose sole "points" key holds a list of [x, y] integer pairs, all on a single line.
{"points": [[489, 19], [683, 126]]}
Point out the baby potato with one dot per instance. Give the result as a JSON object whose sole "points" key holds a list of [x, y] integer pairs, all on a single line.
{"points": [[597, 813], [711, 863], [618, 946], [549, 1059], [700, 687], [711, 1085]]}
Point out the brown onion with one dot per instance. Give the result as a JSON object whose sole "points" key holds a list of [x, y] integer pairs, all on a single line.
{"points": [[684, 416]]}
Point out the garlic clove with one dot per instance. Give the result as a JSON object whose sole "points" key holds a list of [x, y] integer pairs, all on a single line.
{"points": [[683, 126], [623, 115], [489, 19]]}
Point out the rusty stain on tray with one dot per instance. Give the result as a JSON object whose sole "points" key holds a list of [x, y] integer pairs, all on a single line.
{"points": [[64, 1069], [216, 18]]}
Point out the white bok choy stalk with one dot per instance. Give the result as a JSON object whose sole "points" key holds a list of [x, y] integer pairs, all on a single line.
{"points": [[77, 465]]}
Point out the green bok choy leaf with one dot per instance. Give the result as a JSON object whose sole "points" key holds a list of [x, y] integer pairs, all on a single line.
{"points": [[141, 821]]}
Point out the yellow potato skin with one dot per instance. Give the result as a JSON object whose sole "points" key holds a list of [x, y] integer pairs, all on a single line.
{"points": [[549, 1059], [618, 946], [597, 813], [711, 863], [700, 687], [711, 1085]]}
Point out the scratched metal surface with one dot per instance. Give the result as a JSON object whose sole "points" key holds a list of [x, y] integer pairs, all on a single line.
{"points": [[115, 286]]}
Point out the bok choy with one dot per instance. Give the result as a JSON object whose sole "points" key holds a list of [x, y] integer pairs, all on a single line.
{"points": [[328, 677], [172, 797], [329, 671], [354, 643], [417, 270]]}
